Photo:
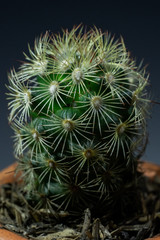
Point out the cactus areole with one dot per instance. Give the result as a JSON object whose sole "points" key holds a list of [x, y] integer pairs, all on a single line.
{"points": [[78, 107]]}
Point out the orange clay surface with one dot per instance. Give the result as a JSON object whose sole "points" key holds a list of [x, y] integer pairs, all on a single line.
{"points": [[154, 238], [7, 235], [149, 169], [7, 175]]}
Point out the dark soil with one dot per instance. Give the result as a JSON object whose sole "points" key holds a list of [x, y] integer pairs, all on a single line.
{"points": [[17, 215]]}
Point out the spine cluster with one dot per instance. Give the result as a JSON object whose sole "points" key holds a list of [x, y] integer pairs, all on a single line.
{"points": [[78, 108]]}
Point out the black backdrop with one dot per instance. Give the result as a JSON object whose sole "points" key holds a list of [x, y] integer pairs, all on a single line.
{"points": [[139, 25]]}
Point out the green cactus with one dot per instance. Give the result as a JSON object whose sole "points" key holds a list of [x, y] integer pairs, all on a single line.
{"points": [[78, 107]]}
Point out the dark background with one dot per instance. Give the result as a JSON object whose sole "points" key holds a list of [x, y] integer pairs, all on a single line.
{"points": [[139, 25]]}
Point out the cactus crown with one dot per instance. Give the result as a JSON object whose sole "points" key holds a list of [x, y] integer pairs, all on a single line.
{"points": [[78, 108]]}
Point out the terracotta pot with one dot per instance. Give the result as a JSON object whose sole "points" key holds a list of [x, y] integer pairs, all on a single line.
{"points": [[7, 176]]}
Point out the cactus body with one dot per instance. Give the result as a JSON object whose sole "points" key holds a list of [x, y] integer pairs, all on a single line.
{"points": [[78, 108]]}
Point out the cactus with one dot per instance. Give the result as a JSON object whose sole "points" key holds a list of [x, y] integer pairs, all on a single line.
{"points": [[78, 107]]}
